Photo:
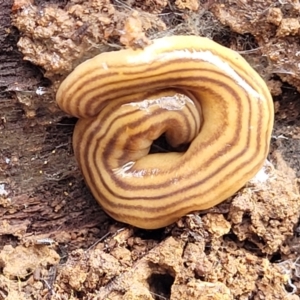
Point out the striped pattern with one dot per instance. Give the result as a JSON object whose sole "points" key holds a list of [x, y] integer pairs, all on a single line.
{"points": [[124, 100]]}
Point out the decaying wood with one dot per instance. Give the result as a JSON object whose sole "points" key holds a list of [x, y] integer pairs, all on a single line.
{"points": [[245, 246]]}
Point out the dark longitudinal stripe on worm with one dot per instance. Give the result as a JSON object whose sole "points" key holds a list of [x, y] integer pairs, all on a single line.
{"points": [[238, 141], [138, 122], [162, 185], [130, 207], [114, 93], [142, 134], [126, 187], [158, 186], [139, 88], [161, 207], [184, 199], [77, 95]]}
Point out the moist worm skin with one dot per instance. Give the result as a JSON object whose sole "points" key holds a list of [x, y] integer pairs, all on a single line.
{"points": [[188, 88]]}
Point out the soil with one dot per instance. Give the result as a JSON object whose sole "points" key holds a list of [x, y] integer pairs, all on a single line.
{"points": [[57, 243]]}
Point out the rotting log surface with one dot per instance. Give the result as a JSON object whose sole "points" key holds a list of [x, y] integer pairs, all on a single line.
{"points": [[48, 198], [38, 174]]}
